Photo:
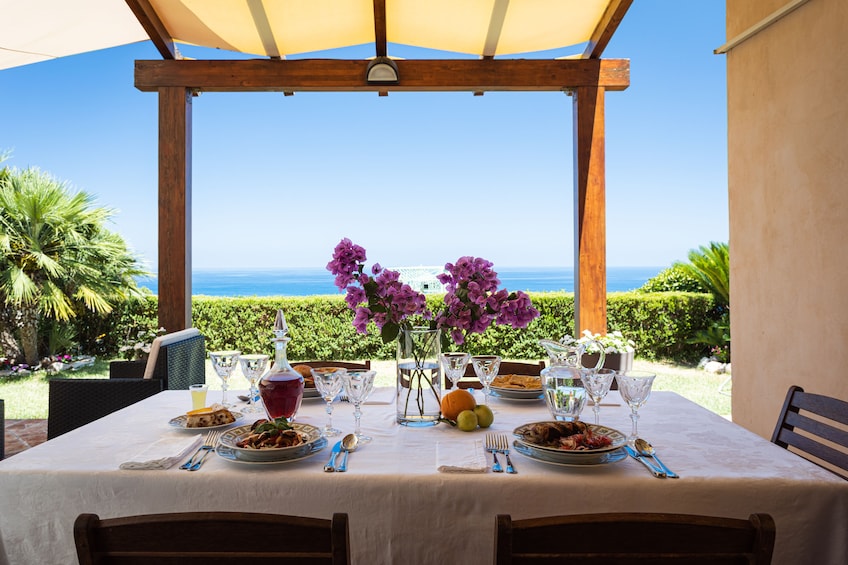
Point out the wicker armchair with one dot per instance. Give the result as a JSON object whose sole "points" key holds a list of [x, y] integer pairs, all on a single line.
{"points": [[176, 361]]}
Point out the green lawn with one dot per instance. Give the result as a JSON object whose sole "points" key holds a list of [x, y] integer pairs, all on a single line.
{"points": [[26, 397]]}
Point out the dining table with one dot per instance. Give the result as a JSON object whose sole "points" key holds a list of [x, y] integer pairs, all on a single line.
{"points": [[402, 508]]}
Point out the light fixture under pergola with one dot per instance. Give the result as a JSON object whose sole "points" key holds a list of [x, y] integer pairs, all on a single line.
{"points": [[495, 27]]}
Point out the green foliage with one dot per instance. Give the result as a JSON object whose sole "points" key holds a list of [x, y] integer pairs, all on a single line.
{"points": [[673, 279], [320, 326], [717, 337], [711, 267]]}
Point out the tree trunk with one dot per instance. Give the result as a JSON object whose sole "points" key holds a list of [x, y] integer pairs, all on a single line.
{"points": [[9, 346], [29, 334]]}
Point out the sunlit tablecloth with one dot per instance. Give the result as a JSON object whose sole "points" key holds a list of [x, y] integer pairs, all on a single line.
{"points": [[401, 509]]}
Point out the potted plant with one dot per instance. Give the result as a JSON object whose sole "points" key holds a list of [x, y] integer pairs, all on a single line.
{"points": [[135, 350], [619, 351]]}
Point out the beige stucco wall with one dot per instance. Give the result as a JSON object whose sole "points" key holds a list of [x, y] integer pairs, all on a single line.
{"points": [[787, 96]]}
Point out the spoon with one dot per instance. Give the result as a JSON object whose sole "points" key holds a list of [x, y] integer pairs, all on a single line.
{"points": [[648, 450], [349, 443]]}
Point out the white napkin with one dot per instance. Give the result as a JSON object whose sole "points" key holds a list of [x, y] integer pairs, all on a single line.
{"points": [[382, 395], [461, 457], [164, 453]]}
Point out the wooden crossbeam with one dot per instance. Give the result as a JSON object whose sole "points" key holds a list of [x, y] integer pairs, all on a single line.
{"points": [[332, 75], [155, 29], [606, 28]]}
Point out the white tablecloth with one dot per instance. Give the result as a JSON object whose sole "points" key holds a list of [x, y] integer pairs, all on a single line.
{"points": [[401, 509]]}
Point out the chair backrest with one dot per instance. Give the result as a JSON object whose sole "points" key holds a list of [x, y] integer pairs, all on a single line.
{"points": [[178, 359], [803, 424], [353, 366], [634, 538], [470, 379], [212, 537]]}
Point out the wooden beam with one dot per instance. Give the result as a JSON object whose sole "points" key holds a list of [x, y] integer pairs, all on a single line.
{"points": [[590, 269], [174, 208], [380, 41], [155, 29], [606, 28], [331, 75]]}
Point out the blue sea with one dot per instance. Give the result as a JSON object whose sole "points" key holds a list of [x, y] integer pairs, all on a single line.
{"points": [[308, 282]]}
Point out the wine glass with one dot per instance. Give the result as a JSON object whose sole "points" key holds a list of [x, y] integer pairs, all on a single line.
{"points": [[597, 383], [252, 366], [329, 381], [358, 386], [224, 363], [635, 389], [454, 364], [486, 368]]}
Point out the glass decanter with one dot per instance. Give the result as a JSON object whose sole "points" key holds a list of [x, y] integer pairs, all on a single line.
{"points": [[562, 381], [281, 388]]}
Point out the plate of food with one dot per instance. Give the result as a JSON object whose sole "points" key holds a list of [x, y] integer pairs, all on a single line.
{"points": [[517, 387], [209, 418], [569, 459], [230, 454], [569, 439], [271, 441]]}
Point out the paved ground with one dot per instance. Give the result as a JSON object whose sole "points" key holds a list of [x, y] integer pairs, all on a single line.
{"points": [[23, 434]]}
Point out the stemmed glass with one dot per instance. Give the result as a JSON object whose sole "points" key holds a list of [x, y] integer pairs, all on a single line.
{"points": [[486, 368], [224, 363], [329, 381], [358, 386], [597, 383], [253, 366], [454, 364], [635, 389]]}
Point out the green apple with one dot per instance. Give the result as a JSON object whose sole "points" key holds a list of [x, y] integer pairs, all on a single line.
{"points": [[467, 421], [484, 415]]}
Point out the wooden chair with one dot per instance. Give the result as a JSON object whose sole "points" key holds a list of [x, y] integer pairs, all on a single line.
{"points": [[176, 361], [212, 537], [470, 380], [813, 416], [349, 365], [634, 539]]}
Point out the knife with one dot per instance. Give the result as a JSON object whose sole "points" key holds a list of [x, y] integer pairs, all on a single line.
{"points": [[331, 464], [654, 471]]}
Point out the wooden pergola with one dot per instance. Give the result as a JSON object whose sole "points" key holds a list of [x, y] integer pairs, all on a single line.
{"points": [[176, 80]]}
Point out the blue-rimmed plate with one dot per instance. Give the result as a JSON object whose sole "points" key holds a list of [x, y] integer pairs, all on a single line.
{"points": [[180, 422], [311, 435], [230, 454], [617, 438], [569, 458]]}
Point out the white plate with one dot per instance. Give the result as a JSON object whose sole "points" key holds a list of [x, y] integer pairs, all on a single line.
{"points": [[230, 454], [569, 458], [180, 422], [230, 437], [516, 394], [618, 440]]}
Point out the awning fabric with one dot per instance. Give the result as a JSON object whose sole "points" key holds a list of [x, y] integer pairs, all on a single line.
{"points": [[38, 30]]}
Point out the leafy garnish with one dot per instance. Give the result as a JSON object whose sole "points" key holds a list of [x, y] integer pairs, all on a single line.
{"points": [[278, 425]]}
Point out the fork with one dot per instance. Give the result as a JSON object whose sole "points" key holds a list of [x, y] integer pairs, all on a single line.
{"points": [[208, 445], [492, 447], [503, 447]]}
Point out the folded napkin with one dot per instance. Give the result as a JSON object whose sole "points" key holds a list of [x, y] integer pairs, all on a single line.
{"points": [[461, 457], [164, 452], [382, 395]]}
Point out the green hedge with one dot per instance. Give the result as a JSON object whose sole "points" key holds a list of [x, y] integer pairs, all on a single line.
{"points": [[320, 326]]}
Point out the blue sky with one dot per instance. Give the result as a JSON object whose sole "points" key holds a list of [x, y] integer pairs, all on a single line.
{"points": [[415, 178]]}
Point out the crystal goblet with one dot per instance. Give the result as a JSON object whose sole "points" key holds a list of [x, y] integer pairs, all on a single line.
{"points": [[454, 364], [224, 363], [597, 383], [358, 386], [252, 366], [486, 368], [329, 381], [635, 389]]}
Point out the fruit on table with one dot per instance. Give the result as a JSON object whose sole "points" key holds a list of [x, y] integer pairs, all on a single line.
{"points": [[467, 421], [455, 402], [484, 414]]}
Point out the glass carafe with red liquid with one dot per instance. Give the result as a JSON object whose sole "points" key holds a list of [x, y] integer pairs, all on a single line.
{"points": [[281, 388]]}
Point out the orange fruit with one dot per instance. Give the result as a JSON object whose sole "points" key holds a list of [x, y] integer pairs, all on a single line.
{"points": [[455, 402]]}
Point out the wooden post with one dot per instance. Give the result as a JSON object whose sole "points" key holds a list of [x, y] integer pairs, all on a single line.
{"points": [[174, 208], [590, 269]]}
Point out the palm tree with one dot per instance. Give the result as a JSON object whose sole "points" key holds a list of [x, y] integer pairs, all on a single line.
{"points": [[711, 267], [56, 256]]}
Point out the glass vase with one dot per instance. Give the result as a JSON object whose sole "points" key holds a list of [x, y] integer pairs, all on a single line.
{"points": [[419, 377]]}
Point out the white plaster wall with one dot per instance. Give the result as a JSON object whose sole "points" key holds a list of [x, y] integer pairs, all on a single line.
{"points": [[788, 200]]}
